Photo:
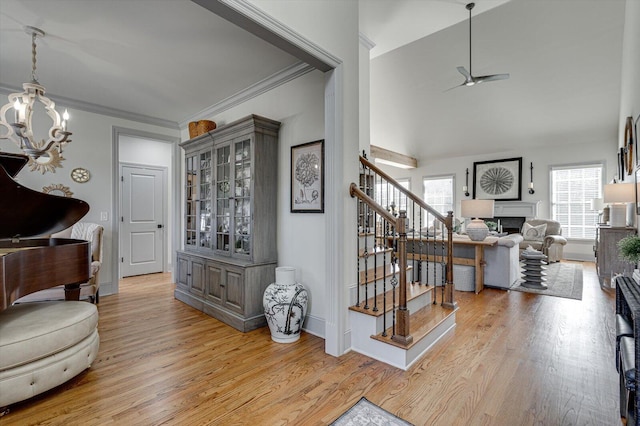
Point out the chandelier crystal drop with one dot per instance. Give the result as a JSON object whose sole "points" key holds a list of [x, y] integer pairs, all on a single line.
{"points": [[18, 127]]}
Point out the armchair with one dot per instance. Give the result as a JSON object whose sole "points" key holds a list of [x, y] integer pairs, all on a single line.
{"points": [[91, 232], [544, 235]]}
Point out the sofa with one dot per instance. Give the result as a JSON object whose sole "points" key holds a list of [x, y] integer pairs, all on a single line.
{"points": [[502, 269], [544, 235], [44, 344]]}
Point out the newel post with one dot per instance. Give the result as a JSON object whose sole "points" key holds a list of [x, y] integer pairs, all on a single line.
{"points": [[402, 334], [449, 302]]}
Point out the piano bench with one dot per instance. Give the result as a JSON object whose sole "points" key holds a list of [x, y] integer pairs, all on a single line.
{"points": [[43, 345]]}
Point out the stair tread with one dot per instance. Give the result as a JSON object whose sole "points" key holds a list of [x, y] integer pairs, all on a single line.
{"points": [[413, 291], [376, 250], [380, 272], [422, 322]]}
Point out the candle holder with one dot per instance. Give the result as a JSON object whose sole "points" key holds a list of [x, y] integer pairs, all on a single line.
{"points": [[531, 190], [465, 188]]}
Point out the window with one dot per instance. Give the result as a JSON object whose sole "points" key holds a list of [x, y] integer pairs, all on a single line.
{"points": [[438, 193], [387, 194], [572, 189]]}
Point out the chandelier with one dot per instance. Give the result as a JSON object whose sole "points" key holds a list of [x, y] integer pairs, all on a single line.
{"points": [[45, 154]]}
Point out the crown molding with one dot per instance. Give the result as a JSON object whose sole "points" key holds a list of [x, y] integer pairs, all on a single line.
{"points": [[100, 109], [254, 20], [284, 76], [366, 41]]}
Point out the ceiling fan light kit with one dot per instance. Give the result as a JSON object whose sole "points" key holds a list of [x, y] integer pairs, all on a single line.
{"points": [[469, 78]]}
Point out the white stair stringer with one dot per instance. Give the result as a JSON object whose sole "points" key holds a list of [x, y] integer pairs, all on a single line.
{"points": [[364, 326]]}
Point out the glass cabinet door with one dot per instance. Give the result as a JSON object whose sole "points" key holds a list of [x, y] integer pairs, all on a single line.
{"points": [[206, 208], [223, 198], [190, 201], [242, 186]]}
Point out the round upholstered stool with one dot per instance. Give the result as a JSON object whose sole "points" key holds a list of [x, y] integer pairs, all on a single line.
{"points": [[44, 344]]}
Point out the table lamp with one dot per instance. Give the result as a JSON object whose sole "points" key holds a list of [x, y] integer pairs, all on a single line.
{"points": [[477, 230], [618, 195]]}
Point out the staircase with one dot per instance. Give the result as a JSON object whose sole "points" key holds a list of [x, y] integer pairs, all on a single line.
{"points": [[395, 318]]}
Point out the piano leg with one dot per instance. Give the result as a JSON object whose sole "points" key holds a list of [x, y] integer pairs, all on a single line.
{"points": [[72, 292]]}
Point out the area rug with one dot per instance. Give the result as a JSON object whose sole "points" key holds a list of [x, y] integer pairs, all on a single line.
{"points": [[365, 412], [563, 280]]}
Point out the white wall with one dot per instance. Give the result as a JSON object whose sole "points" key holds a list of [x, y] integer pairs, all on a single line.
{"points": [[92, 149], [148, 152], [563, 153], [299, 106], [333, 26]]}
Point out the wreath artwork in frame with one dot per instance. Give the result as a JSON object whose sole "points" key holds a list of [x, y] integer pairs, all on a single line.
{"points": [[307, 177], [498, 179]]}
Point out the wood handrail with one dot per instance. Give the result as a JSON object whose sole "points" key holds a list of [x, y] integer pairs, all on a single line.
{"points": [[355, 191], [405, 191]]}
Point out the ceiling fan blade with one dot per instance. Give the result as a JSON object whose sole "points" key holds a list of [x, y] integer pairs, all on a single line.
{"points": [[464, 72], [491, 77], [455, 87]]}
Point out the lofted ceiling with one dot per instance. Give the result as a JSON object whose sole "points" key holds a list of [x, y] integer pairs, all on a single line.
{"points": [[172, 59], [564, 59]]}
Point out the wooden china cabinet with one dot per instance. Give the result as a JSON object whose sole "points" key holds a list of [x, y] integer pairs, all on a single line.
{"points": [[230, 193]]}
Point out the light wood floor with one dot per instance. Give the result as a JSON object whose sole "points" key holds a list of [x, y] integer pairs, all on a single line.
{"points": [[514, 359]]}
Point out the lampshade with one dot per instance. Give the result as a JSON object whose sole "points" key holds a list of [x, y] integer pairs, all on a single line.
{"points": [[477, 208], [597, 204], [619, 193]]}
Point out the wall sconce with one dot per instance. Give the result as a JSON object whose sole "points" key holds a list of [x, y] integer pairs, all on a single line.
{"points": [[531, 191], [465, 188]]}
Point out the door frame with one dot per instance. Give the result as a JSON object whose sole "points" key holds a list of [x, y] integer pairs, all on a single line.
{"points": [[165, 209], [173, 185]]}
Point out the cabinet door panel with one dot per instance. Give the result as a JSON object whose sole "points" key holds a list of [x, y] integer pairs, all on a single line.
{"points": [[234, 288], [214, 283], [197, 276], [182, 277]]}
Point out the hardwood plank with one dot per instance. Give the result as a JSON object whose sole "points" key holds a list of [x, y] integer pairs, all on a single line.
{"points": [[514, 359]]}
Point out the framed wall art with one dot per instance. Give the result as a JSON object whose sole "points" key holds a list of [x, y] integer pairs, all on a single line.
{"points": [[637, 182], [498, 179], [307, 177]]}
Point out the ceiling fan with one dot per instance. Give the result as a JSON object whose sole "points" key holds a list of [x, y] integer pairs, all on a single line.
{"points": [[469, 78]]}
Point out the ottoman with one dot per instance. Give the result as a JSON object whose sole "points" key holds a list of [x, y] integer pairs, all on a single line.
{"points": [[44, 344]]}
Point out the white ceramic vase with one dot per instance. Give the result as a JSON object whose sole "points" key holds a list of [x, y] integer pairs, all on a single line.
{"points": [[285, 305]]}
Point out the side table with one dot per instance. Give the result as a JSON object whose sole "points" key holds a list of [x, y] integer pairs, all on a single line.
{"points": [[534, 274]]}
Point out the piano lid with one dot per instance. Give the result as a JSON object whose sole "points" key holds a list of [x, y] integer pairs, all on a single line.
{"points": [[25, 212]]}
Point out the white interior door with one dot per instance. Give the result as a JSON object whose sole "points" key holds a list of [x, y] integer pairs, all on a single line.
{"points": [[142, 221]]}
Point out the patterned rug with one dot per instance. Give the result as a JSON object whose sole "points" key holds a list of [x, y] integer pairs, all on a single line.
{"points": [[563, 280], [365, 412]]}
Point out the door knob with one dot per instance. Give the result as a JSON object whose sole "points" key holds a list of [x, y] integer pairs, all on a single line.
{"points": [[159, 226]]}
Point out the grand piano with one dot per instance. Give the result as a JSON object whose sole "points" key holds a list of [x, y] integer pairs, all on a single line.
{"points": [[29, 261]]}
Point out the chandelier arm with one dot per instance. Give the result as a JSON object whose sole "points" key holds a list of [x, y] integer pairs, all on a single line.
{"points": [[33, 56]]}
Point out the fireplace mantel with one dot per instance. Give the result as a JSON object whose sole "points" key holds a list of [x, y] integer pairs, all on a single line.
{"points": [[524, 209]]}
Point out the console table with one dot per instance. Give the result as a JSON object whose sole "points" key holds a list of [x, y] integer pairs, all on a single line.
{"points": [[460, 257], [606, 251]]}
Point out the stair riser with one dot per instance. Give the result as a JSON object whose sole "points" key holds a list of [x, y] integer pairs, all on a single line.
{"points": [[377, 323], [389, 354]]}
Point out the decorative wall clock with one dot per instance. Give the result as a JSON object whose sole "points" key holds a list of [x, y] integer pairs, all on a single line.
{"points": [[80, 175]]}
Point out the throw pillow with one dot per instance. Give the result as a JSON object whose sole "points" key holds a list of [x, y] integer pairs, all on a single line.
{"points": [[534, 233]]}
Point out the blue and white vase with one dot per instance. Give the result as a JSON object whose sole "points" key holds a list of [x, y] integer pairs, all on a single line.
{"points": [[285, 305]]}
